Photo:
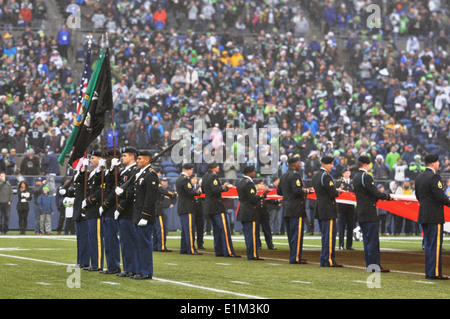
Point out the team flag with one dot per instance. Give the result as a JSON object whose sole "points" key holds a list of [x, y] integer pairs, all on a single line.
{"points": [[100, 101]]}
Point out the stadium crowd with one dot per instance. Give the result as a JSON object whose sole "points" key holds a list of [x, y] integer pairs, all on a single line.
{"points": [[343, 90]]}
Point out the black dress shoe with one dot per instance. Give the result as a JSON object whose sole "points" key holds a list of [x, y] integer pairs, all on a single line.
{"points": [[125, 274], [272, 248], [257, 258], [166, 250], [384, 270], [234, 255], [110, 271], [141, 277], [350, 248], [437, 277], [336, 265], [201, 247], [92, 269]]}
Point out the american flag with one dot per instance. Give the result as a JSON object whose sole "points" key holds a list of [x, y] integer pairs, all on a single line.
{"points": [[84, 83]]}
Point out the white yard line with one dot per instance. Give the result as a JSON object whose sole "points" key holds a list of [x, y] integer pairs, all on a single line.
{"points": [[154, 278]]}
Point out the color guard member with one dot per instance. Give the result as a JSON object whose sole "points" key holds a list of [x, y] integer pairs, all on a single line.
{"points": [[430, 193]]}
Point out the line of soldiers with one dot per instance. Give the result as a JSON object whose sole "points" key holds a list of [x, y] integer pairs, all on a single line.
{"points": [[118, 197], [121, 197]]}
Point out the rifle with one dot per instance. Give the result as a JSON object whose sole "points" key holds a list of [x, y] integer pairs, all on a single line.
{"points": [[125, 185]]}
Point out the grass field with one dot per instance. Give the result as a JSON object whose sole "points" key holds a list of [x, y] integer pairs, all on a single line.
{"points": [[39, 267]]}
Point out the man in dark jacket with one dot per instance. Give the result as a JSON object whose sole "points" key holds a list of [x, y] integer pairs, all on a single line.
{"points": [[247, 213], [367, 195], [186, 209], [326, 210], [294, 194], [145, 191], [430, 193], [214, 207], [160, 234]]}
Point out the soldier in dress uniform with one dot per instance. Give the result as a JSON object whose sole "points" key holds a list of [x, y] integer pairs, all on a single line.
{"points": [[81, 223], [90, 207], [107, 209], [247, 211], [213, 189], [124, 211], [346, 212], [146, 184], [160, 232], [326, 210], [430, 193], [367, 195], [186, 209], [263, 218], [294, 194]]}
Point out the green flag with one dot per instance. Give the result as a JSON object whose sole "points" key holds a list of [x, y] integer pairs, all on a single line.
{"points": [[85, 100]]}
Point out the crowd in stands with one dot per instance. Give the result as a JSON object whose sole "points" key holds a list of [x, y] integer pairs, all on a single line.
{"points": [[344, 90]]}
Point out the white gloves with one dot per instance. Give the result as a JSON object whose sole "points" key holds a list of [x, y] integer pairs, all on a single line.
{"points": [[62, 191], [115, 162], [85, 163], [142, 222], [119, 191], [116, 214], [84, 203], [100, 210]]}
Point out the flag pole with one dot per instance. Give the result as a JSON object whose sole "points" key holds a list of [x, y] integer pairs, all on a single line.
{"points": [[113, 125]]}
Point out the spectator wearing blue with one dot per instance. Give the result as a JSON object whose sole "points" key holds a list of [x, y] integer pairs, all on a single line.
{"points": [[63, 39], [46, 209]]}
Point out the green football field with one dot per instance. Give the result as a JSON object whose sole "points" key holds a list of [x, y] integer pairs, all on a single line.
{"points": [[40, 267]]}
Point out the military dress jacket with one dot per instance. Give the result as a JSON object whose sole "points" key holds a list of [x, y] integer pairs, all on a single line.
{"points": [[430, 192], [213, 189], [294, 197], [248, 200], [367, 196], [326, 194], [145, 192], [186, 195]]}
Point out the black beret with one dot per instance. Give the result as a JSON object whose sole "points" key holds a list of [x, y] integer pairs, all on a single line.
{"points": [[249, 169], [364, 159], [129, 149], [293, 159], [96, 153], [327, 160], [431, 158], [188, 166], [144, 153], [213, 165]]}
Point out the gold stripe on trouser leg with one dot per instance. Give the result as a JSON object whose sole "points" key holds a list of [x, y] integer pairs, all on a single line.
{"points": [[190, 234], [254, 238], [224, 222], [438, 248], [299, 238], [163, 244], [99, 242], [330, 242]]}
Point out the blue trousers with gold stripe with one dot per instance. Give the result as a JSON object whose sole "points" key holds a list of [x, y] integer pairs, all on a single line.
{"points": [[128, 245], [83, 253], [144, 249], [432, 241], [328, 229], [249, 229], [95, 238], [371, 242], [187, 245], [294, 230], [223, 246], [112, 247], [160, 233]]}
